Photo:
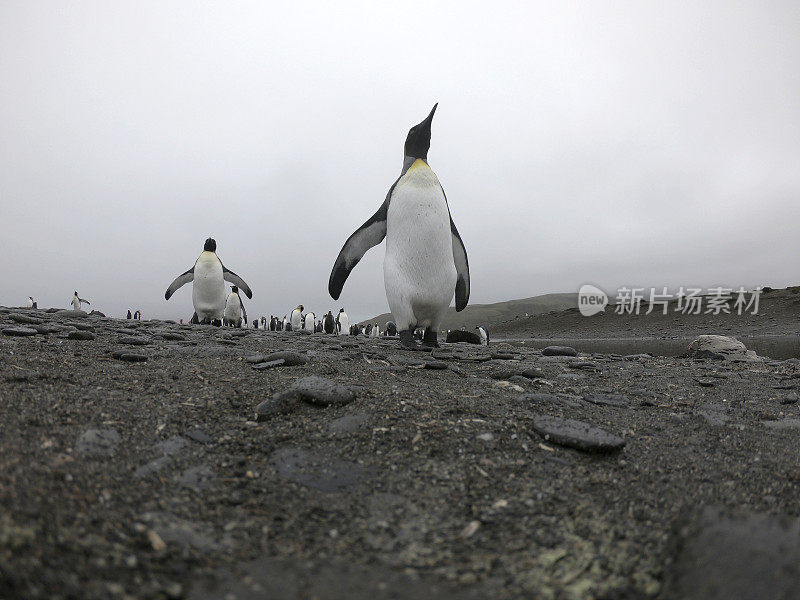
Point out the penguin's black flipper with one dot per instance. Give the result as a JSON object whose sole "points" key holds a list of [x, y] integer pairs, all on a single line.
{"points": [[244, 312], [462, 268], [365, 237], [86, 301], [180, 281], [233, 278]]}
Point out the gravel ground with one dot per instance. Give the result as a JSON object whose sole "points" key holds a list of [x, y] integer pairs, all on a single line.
{"points": [[155, 460]]}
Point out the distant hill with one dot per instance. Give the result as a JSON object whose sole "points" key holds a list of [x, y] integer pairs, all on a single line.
{"points": [[490, 314]]}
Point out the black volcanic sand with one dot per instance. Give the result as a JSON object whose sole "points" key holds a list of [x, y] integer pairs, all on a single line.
{"points": [[778, 314], [132, 466]]}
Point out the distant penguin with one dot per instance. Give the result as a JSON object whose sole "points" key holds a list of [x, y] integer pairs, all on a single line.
{"points": [[273, 323], [376, 331], [137, 315], [391, 328], [353, 329], [297, 317], [328, 323], [285, 323], [368, 329], [30, 302], [77, 301], [130, 315], [425, 260], [255, 323], [308, 324], [484, 335], [342, 322], [208, 291], [234, 314]]}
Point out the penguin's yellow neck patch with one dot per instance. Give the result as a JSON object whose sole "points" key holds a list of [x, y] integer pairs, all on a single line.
{"points": [[418, 164]]}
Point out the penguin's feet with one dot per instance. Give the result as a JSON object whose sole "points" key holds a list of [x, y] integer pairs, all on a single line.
{"points": [[216, 323], [407, 340], [430, 339]]}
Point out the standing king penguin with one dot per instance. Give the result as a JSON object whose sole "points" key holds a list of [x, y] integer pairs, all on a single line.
{"points": [[208, 290], [234, 314], [425, 261], [77, 301]]}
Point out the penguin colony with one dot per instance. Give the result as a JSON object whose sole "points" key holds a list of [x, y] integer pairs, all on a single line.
{"points": [[425, 265]]}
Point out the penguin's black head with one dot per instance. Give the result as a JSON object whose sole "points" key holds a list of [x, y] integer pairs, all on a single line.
{"points": [[341, 310], [419, 137], [210, 245], [76, 292], [234, 289]]}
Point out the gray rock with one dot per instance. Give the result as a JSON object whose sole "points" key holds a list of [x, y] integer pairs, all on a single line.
{"points": [[79, 314], [19, 331], [720, 347], [198, 435], [128, 356], [171, 336], [503, 356], [723, 555], [46, 329], [134, 340], [435, 365], [783, 424], [576, 434], [98, 442], [80, 335], [559, 351], [290, 359], [25, 319], [269, 364], [315, 390]]}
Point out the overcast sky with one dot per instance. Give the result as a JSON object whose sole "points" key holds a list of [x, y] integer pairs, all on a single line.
{"points": [[617, 143]]}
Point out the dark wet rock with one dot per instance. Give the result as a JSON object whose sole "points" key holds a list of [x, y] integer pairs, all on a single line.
{"points": [[323, 472], [320, 391], [98, 442], [576, 434], [80, 335], [201, 477], [559, 351], [584, 364], [19, 331], [532, 373], [25, 319], [347, 424], [436, 365], [254, 359], [524, 373], [79, 314], [503, 356], [97, 313], [722, 555], [455, 336], [46, 329], [617, 400], [134, 340], [171, 336]]}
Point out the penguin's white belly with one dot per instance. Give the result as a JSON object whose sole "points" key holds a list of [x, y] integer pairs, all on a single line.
{"points": [[208, 290], [233, 310], [296, 319], [76, 304], [344, 324], [309, 324], [419, 272]]}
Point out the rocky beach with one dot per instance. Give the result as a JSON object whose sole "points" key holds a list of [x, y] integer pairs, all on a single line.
{"points": [[156, 460]]}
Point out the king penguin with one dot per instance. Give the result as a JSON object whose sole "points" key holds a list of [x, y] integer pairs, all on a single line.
{"points": [[77, 301], [296, 319], [208, 290], [234, 313], [425, 261], [328, 323], [343, 322]]}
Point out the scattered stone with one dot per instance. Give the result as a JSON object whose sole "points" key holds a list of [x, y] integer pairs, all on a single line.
{"points": [[486, 437], [584, 364], [347, 424], [576, 434], [134, 340], [254, 359], [80, 335], [79, 314], [503, 356], [171, 336], [98, 442], [46, 329], [312, 389], [269, 364], [435, 365], [198, 435], [129, 356], [19, 331], [559, 351], [290, 359], [782, 424], [720, 347], [509, 385]]}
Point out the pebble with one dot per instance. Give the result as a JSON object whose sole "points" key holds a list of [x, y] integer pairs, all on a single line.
{"points": [[80, 335], [198, 435], [199, 478], [503, 356], [98, 442], [45, 329], [559, 351], [134, 340], [290, 359], [485, 437], [269, 364], [347, 424], [312, 390], [576, 434], [436, 365], [130, 356], [19, 331]]}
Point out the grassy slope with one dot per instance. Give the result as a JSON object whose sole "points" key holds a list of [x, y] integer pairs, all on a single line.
{"points": [[489, 314]]}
